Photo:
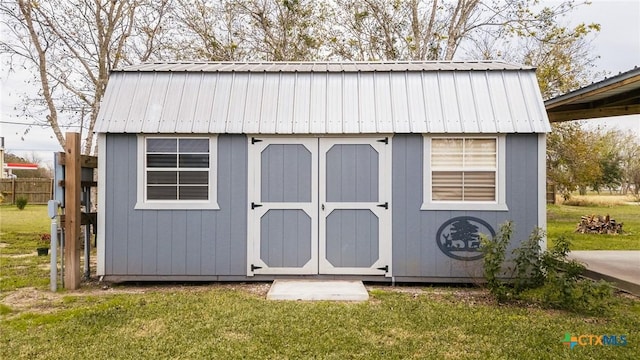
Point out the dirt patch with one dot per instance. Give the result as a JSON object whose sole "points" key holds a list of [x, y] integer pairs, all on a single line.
{"points": [[31, 299], [3, 245], [467, 296]]}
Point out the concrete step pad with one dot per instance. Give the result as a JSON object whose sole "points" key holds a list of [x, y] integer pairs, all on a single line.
{"points": [[336, 290]]}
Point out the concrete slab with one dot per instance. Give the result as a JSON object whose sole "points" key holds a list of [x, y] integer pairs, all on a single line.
{"points": [[622, 267], [336, 290]]}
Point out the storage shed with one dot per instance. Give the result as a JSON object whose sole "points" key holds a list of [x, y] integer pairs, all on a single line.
{"points": [[378, 171]]}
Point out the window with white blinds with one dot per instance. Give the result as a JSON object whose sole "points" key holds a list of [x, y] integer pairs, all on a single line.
{"points": [[463, 169], [176, 172], [464, 172]]}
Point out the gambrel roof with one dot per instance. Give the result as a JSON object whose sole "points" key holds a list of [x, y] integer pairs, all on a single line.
{"points": [[323, 98]]}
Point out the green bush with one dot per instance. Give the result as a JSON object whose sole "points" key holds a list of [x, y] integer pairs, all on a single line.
{"points": [[21, 202], [546, 278]]}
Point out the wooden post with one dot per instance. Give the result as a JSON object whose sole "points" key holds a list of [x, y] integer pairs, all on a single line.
{"points": [[72, 240]]}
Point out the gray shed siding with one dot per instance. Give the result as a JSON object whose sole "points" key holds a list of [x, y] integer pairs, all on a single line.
{"points": [[415, 251], [159, 244], [175, 242]]}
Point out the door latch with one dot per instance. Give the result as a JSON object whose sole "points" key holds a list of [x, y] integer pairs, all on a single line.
{"points": [[322, 207], [385, 268]]}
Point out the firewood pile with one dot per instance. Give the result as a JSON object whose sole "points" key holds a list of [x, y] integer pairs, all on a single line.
{"points": [[597, 224]]}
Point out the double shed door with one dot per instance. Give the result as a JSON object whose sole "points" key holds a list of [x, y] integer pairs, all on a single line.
{"points": [[319, 206]]}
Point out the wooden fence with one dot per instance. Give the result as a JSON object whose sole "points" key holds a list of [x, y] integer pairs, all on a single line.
{"points": [[36, 191]]}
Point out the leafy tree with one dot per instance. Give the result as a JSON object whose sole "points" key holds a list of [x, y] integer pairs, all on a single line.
{"points": [[610, 160], [629, 147], [570, 158]]}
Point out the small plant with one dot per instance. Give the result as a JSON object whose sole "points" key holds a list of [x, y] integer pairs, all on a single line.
{"points": [[21, 202], [43, 244], [45, 240]]}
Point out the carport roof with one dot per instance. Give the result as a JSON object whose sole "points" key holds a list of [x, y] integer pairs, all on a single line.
{"points": [[614, 96]]}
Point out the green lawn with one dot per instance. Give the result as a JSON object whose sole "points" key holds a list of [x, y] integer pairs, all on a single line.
{"points": [[562, 221], [235, 321], [20, 232], [220, 322]]}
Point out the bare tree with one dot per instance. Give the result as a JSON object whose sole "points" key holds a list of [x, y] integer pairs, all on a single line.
{"points": [[71, 47], [208, 30], [279, 30]]}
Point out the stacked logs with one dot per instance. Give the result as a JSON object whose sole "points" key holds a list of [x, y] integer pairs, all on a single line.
{"points": [[596, 224]]}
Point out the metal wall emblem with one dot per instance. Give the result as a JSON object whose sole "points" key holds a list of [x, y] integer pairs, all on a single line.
{"points": [[459, 237]]}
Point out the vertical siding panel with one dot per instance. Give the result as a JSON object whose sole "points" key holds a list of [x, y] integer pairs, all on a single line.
{"points": [[194, 241], [443, 263], [399, 224], [207, 252], [134, 218], [238, 248], [119, 243], [413, 194], [150, 242], [223, 223], [179, 242], [110, 206], [163, 260]]}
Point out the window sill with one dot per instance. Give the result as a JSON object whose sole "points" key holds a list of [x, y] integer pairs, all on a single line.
{"points": [[177, 206], [464, 206]]}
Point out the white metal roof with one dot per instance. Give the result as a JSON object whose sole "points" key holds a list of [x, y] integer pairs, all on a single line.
{"points": [[323, 98]]}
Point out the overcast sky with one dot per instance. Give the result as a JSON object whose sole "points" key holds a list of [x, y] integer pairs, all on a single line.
{"points": [[617, 44]]}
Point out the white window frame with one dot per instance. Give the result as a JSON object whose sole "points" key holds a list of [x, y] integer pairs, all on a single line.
{"points": [[210, 204], [498, 205]]}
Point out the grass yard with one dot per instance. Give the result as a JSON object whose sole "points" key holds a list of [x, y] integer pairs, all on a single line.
{"points": [[234, 321], [20, 232], [562, 221]]}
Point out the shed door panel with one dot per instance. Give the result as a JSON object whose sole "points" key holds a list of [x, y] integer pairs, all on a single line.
{"points": [[355, 215], [283, 230], [319, 206]]}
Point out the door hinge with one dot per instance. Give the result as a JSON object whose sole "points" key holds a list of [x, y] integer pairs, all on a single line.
{"points": [[385, 205], [385, 140], [254, 268], [254, 140], [385, 268], [254, 205]]}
